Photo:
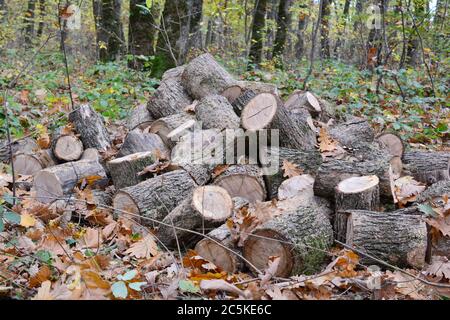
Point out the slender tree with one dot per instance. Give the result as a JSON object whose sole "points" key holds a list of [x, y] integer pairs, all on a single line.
{"points": [[283, 22], [413, 48], [41, 24], [110, 37], [29, 22], [325, 30], [302, 23], [259, 22], [345, 13]]}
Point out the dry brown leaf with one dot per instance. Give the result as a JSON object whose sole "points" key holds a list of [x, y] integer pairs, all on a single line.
{"points": [[27, 220], [191, 107], [406, 189], [291, 169], [92, 238], [326, 143], [44, 292], [43, 140], [93, 280], [271, 270], [441, 223], [222, 285], [42, 275], [407, 285], [218, 170], [144, 248], [440, 267], [5, 179]]}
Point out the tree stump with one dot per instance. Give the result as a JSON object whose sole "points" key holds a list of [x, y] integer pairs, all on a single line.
{"points": [[272, 160], [172, 127], [209, 207], [90, 125], [30, 163], [170, 98], [392, 143], [360, 193], [125, 171], [399, 239], [139, 118], [215, 112], [225, 255], [138, 141], [66, 147], [154, 197], [203, 76], [244, 181], [58, 181], [427, 167], [298, 237]]}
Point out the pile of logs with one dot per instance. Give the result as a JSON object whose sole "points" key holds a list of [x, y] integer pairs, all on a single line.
{"points": [[233, 214]]}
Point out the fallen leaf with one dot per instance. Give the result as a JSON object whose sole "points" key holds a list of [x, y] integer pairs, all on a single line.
{"points": [[222, 285], [326, 143], [144, 248], [291, 169], [440, 267], [44, 292], [27, 220]]}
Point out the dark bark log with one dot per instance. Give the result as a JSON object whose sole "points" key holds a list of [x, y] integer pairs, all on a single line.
{"points": [[302, 23], [156, 197], [397, 238], [172, 127], [259, 22], [427, 167], [437, 190], [90, 125], [214, 111], [139, 118], [125, 171], [207, 208], [42, 15], [29, 23], [325, 30], [204, 76], [298, 237], [138, 141], [354, 133], [272, 159], [60, 180]]}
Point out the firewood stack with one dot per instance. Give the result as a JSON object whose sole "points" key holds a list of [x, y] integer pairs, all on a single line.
{"points": [[329, 177]]}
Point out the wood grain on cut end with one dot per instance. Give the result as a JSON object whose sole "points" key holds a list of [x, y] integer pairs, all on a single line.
{"points": [[259, 112], [68, 148], [213, 202], [392, 143]]}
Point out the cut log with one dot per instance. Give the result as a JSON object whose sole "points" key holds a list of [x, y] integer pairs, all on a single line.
{"points": [[427, 167], [66, 147], [27, 146], [90, 126], [242, 100], [170, 98], [399, 239], [272, 160], [224, 255], [360, 193], [90, 154], [332, 172], [236, 90], [155, 197], [299, 100], [296, 186], [208, 208], [204, 76], [298, 237], [172, 127], [392, 143], [138, 141], [139, 118], [440, 247], [245, 181], [354, 133], [125, 171], [30, 163], [259, 111], [435, 192], [58, 181], [214, 111], [173, 73]]}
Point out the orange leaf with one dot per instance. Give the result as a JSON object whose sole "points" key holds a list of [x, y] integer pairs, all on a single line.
{"points": [[291, 169]]}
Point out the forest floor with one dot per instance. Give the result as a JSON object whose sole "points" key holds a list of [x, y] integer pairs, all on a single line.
{"points": [[92, 256]]}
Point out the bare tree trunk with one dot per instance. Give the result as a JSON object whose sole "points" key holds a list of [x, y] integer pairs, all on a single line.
{"points": [[324, 30], [195, 35], [441, 13], [41, 18], [302, 23], [413, 54], [259, 21], [344, 17], [29, 22], [272, 15], [283, 21], [110, 37], [375, 41], [142, 31]]}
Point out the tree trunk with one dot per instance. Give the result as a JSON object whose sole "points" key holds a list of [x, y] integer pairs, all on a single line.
{"points": [[344, 17], [259, 22], [142, 31], [354, 133], [28, 163], [139, 118], [110, 37], [325, 30], [302, 23], [3, 10], [29, 23], [42, 15], [413, 47], [283, 22]]}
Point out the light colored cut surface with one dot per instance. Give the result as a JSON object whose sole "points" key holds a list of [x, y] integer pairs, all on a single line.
{"points": [[358, 184], [213, 202], [26, 164], [392, 143], [259, 112], [68, 148], [295, 186]]}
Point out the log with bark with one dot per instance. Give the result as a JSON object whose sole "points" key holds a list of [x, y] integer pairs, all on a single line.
{"points": [[296, 186], [298, 237], [156, 197], [207, 208], [171, 128], [27, 145], [214, 111], [391, 142], [435, 192], [354, 133], [66, 147], [245, 181], [127, 171], [272, 160], [174, 73], [32, 162], [138, 141], [303, 100], [59, 181], [91, 128], [427, 167], [170, 98], [238, 89], [361, 193], [394, 237], [203, 76], [139, 118]]}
